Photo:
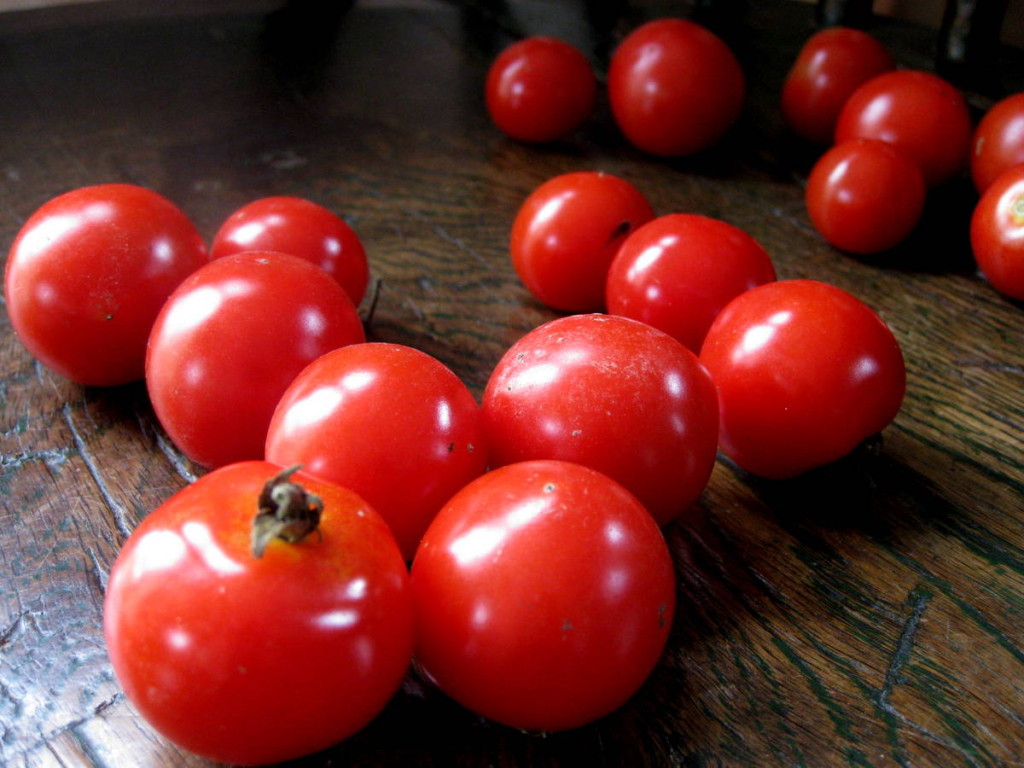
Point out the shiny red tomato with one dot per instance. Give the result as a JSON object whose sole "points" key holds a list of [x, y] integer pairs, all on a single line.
{"points": [[613, 394], [254, 659], [229, 341], [540, 89], [544, 594], [392, 423], [567, 232], [828, 69], [678, 271], [998, 141], [865, 196], [805, 372], [997, 232], [674, 87], [922, 114], [88, 273], [302, 228]]}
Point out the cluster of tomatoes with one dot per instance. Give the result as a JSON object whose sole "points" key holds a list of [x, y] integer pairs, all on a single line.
{"points": [[894, 135], [541, 590], [804, 371]]}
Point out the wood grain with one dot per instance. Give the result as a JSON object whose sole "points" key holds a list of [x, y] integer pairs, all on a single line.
{"points": [[868, 614]]}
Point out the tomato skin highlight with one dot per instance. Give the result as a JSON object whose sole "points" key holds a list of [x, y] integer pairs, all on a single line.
{"points": [[391, 423], [997, 233], [805, 372], [230, 340], [674, 87], [257, 660], [830, 66], [865, 196], [540, 89], [544, 595], [567, 232], [89, 271], [301, 228], [678, 271], [920, 113], [613, 394]]}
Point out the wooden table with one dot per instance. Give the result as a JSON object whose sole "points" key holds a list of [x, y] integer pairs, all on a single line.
{"points": [[869, 616]]}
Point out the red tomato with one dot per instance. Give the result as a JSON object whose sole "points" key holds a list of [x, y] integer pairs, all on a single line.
{"points": [[540, 89], [301, 228], [997, 232], [674, 87], [230, 340], [805, 372], [567, 232], [88, 273], [998, 141], [258, 659], [390, 422], [544, 594], [613, 394], [865, 196], [678, 271], [829, 68], [920, 113]]}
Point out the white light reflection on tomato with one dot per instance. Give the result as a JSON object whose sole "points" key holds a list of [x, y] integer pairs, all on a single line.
{"points": [[482, 541], [757, 336], [163, 550], [313, 408]]}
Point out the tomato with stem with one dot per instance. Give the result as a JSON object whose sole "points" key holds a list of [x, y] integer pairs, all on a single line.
{"points": [[997, 233], [259, 614]]}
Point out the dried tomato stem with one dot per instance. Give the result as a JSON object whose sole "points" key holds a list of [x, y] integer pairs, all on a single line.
{"points": [[287, 511]]}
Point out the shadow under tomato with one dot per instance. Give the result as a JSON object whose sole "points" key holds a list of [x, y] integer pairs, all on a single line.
{"points": [[421, 726], [941, 242]]}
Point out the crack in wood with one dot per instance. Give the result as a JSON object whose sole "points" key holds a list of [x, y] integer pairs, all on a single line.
{"points": [[918, 601], [121, 521], [46, 740]]}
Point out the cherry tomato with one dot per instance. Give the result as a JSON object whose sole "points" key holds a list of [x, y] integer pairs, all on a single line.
{"points": [[258, 658], [302, 228], [998, 141], [865, 196], [827, 70], [997, 232], [805, 372], [540, 89], [678, 271], [923, 115], [544, 594], [674, 87], [392, 423], [567, 232], [88, 273], [613, 394], [229, 341]]}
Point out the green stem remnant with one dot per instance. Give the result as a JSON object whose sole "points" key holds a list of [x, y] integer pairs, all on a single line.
{"points": [[287, 511]]}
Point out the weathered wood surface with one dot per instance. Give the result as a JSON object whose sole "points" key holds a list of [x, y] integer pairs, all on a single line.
{"points": [[871, 615]]}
